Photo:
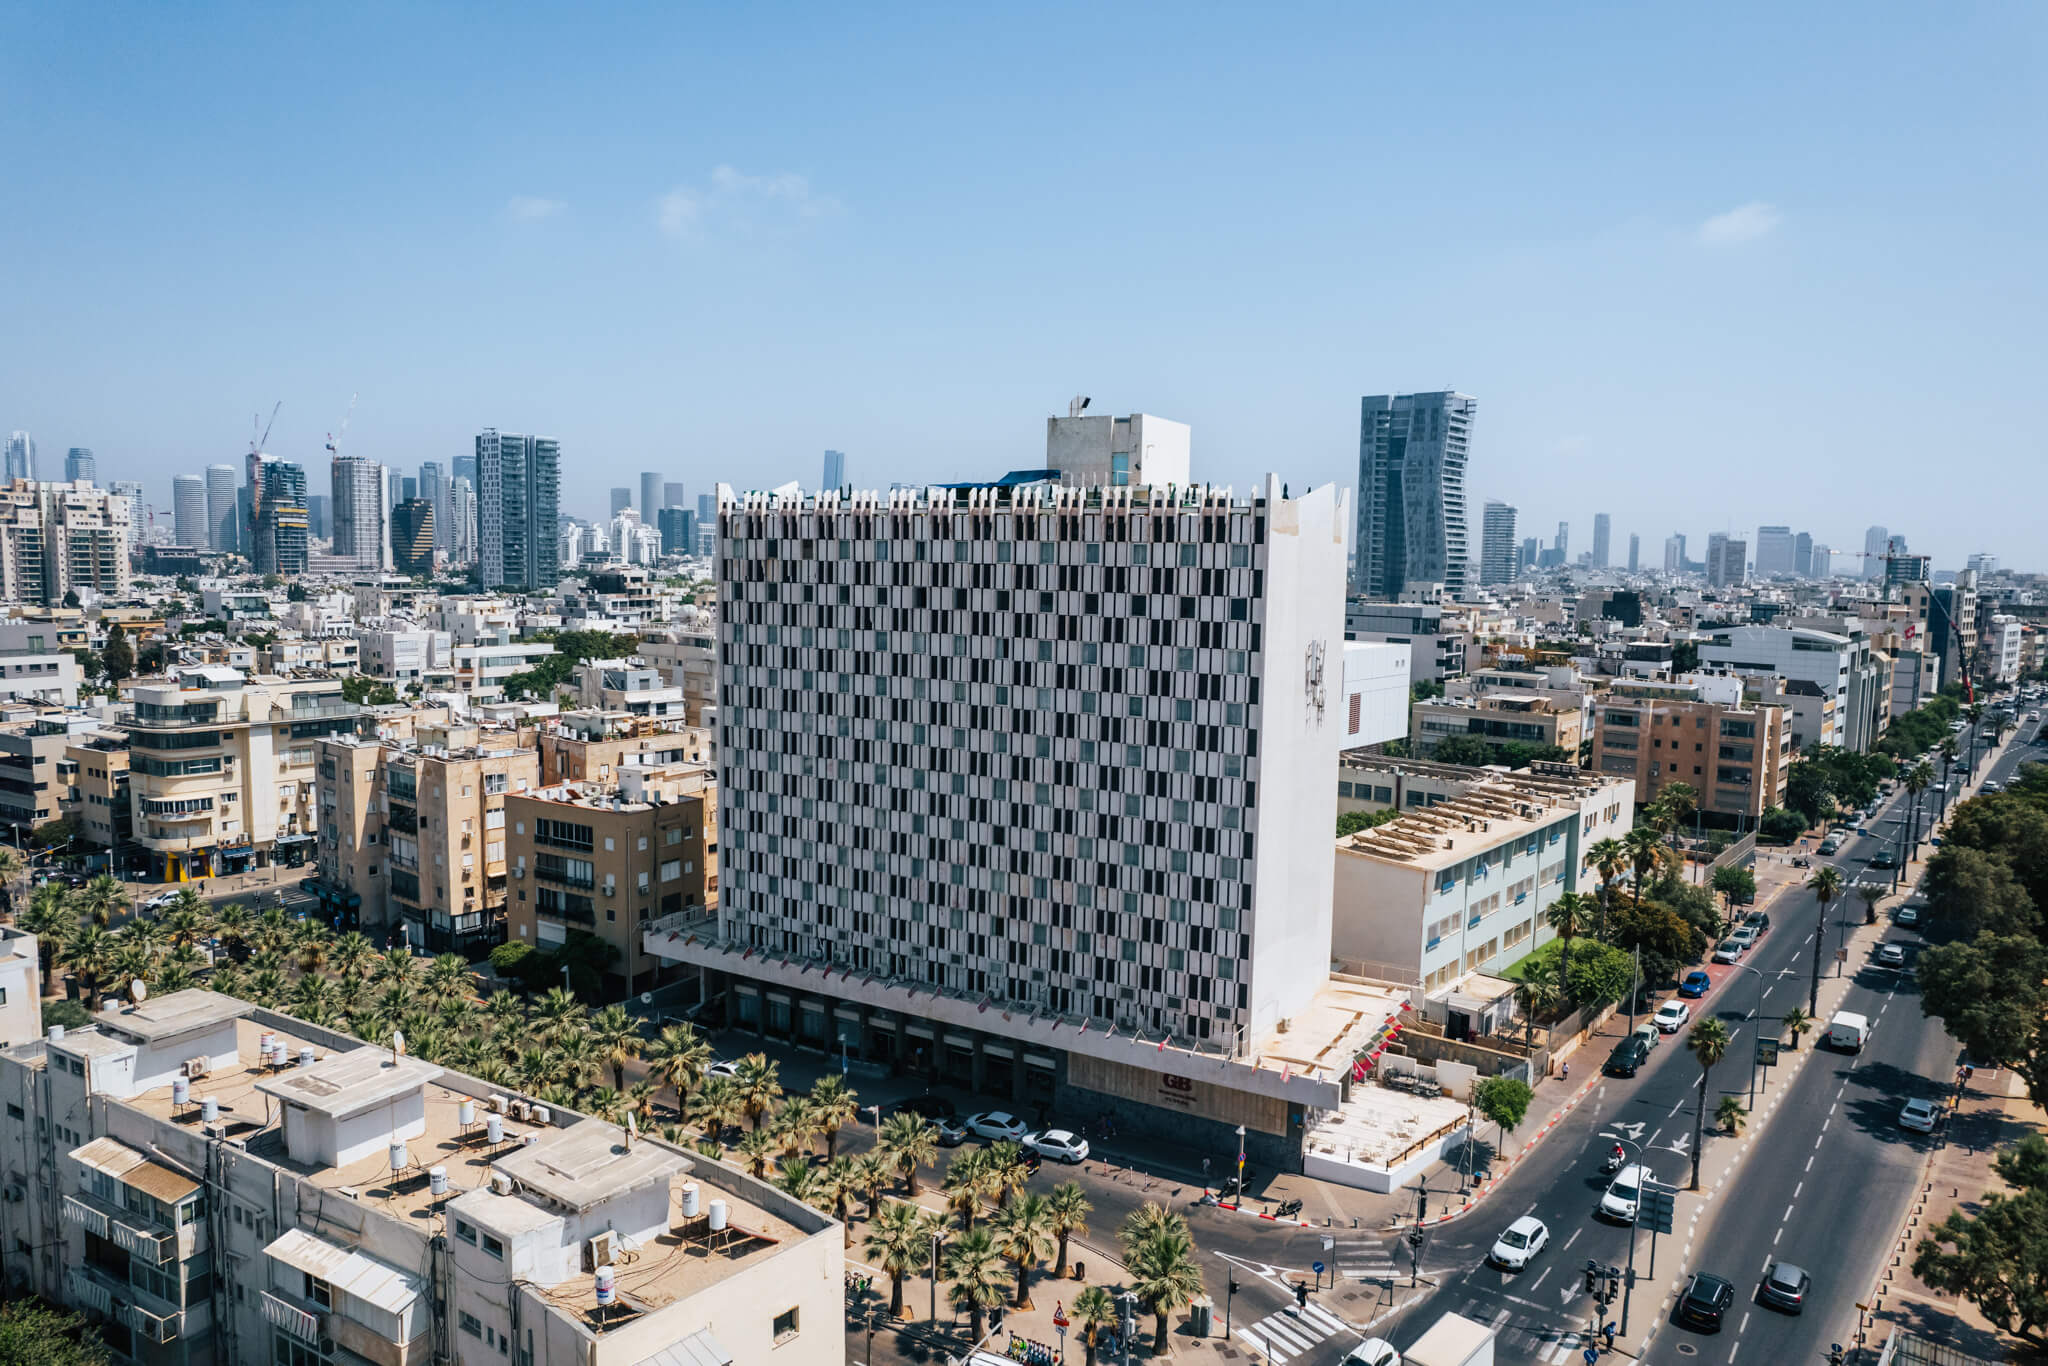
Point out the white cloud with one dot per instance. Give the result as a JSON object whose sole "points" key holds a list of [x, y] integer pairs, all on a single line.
{"points": [[738, 201], [526, 207], [1745, 223]]}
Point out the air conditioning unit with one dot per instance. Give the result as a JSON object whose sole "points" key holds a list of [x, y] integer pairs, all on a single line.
{"points": [[601, 1250], [519, 1109], [498, 1103], [196, 1068], [15, 1195], [501, 1184]]}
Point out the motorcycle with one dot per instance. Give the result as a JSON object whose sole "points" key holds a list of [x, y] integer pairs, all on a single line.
{"points": [[1614, 1161], [1287, 1209]]}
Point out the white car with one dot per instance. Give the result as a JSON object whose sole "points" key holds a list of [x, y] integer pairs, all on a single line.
{"points": [[1522, 1240], [1058, 1144], [1672, 1017], [1373, 1352], [1729, 951], [722, 1069], [1619, 1201], [996, 1125], [160, 901], [1909, 916], [1919, 1115], [1891, 956]]}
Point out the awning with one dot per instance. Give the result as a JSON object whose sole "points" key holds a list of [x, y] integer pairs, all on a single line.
{"points": [[995, 1050], [131, 1168], [373, 1282]]}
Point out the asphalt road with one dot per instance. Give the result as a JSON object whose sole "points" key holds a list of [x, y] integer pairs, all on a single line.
{"points": [[1839, 1215]]}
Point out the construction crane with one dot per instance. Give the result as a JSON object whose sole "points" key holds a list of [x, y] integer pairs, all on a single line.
{"points": [[334, 437], [256, 442]]}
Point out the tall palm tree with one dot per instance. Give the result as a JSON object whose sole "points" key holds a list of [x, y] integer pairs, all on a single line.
{"points": [[1068, 1205], [1917, 781], [1166, 1277], [313, 999], [975, 1267], [1148, 1219], [716, 1106], [1795, 1023], [760, 1085], [836, 1106], [400, 965], [1645, 852], [102, 898], [184, 929], [1679, 801], [311, 942], [1536, 992], [503, 1009], [172, 977], [898, 1241], [1708, 1042], [52, 924], [756, 1151], [267, 988], [534, 1069], [232, 922], [965, 1182], [797, 1124], [1827, 885], [1023, 1230], [873, 1169], [448, 978], [1006, 1171], [841, 1176], [1609, 858], [802, 1182], [677, 1057], [1094, 1311], [557, 1014], [607, 1104], [1948, 766], [351, 954], [87, 952], [1568, 915], [619, 1039], [12, 866], [578, 1062], [131, 962], [911, 1141]]}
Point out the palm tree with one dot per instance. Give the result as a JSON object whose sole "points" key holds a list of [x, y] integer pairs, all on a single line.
{"points": [[1796, 1022], [898, 1241], [103, 896], [1537, 992], [716, 1107], [1166, 1277], [557, 1014], [1871, 893], [802, 1183], [534, 1069], [841, 1176], [1609, 858], [131, 962], [267, 988], [12, 866], [53, 924], [184, 929], [836, 1106], [87, 952], [976, 1269], [399, 965], [965, 1182], [759, 1084], [311, 941], [1069, 1207], [677, 1058], [172, 977], [578, 1063], [873, 1169], [608, 1105], [1645, 852], [351, 954], [1006, 1171], [1023, 1230], [756, 1150], [313, 1000], [505, 1008], [1148, 1219], [232, 922], [1094, 1310], [229, 980], [911, 1141], [1730, 1115], [1827, 885], [448, 978], [1567, 915], [640, 1098], [1948, 766], [1917, 781], [1708, 1041], [619, 1039], [797, 1124], [1678, 801]]}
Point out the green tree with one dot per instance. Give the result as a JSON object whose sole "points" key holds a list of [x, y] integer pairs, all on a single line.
{"points": [[1730, 1115], [1504, 1101], [117, 660], [1991, 992], [677, 1058], [366, 691], [1708, 1041], [1351, 822], [759, 1080], [975, 1267], [1568, 916], [756, 1151], [1796, 1022], [1779, 826], [1462, 749], [1646, 854], [1827, 885], [34, 1332], [1165, 1275], [1997, 1258], [1023, 1231], [837, 1106], [899, 1240], [1735, 886], [1070, 1207], [1094, 1311], [715, 1107], [619, 1040], [966, 1183], [911, 1142], [1601, 974]]}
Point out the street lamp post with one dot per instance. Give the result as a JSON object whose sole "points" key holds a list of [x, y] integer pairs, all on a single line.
{"points": [[1753, 1014], [935, 1281], [1628, 1282]]}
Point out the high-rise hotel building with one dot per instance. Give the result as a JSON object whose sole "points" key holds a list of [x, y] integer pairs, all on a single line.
{"points": [[1028, 784]]}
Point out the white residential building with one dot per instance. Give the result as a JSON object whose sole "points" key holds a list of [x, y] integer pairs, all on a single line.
{"points": [[2001, 646], [406, 655], [361, 513], [1840, 667]]}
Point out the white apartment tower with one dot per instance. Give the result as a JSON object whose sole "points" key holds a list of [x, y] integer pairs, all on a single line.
{"points": [[359, 512], [222, 509], [1497, 544], [188, 510]]}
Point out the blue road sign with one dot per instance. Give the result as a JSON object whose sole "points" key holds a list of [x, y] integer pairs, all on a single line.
{"points": [[1316, 1267], [1591, 1356]]}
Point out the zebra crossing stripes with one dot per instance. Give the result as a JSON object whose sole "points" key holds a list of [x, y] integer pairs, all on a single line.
{"points": [[1287, 1334], [1362, 1259]]}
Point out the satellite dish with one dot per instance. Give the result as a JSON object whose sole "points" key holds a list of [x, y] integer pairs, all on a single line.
{"points": [[138, 990], [398, 1043], [646, 998]]}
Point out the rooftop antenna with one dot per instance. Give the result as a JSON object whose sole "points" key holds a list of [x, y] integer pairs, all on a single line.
{"points": [[397, 1046], [1078, 403]]}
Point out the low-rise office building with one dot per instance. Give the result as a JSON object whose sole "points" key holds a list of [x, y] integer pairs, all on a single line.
{"points": [[214, 1184], [632, 686], [1699, 730], [1436, 648], [607, 859], [1523, 715], [97, 766]]}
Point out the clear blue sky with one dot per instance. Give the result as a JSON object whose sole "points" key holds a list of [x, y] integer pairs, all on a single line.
{"points": [[1703, 267]]}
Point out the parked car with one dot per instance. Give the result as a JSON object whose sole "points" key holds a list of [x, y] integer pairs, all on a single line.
{"points": [[1705, 1301], [952, 1132], [1696, 984], [1628, 1055], [1729, 950], [1647, 1032], [1785, 1286], [1672, 1016], [1919, 1116], [931, 1107], [1519, 1242], [1908, 916], [1758, 923], [722, 1069], [1061, 1145], [1830, 845], [996, 1125], [1891, 956], [160, 901], [1619, 1200]]}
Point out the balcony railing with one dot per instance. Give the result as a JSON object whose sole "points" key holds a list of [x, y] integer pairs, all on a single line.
{"points": [[84, 1289], [292, 1319], [153, 1327]]}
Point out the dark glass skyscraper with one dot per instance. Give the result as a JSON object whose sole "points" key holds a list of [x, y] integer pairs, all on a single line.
{"points": [[517, 498], [1412, 450]]}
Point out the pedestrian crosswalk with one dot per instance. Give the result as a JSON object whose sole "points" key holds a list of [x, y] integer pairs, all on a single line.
{"points": [[1283, 1336], [1527, 1336], [1362, 1259]]}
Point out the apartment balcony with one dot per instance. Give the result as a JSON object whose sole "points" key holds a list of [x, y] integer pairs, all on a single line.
{"points": [[150, 1326], [87, 1291], [282, 1313], [146, 1238]]}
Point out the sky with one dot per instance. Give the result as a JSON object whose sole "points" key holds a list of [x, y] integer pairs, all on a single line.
{"points": [[1703, 267]]}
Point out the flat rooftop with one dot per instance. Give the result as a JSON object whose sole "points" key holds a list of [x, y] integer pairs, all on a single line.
{"points": [[172, 1016], [344, 1084], [1339, 1023], [1456, 829], [589, 1163]]}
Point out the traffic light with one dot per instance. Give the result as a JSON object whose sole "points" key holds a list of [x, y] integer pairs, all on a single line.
{"points": [[1613, 1283], [1421, 1206], [1301, 1294], [1234, 1286], [1592, 1277]]}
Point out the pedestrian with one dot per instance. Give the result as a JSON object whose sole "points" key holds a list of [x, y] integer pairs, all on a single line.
{"points": [[1567, 1071]]}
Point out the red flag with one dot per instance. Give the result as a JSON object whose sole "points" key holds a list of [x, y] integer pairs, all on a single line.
{"points": [[1162, 1046]]}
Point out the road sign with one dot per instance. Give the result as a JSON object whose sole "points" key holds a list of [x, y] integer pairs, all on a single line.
{"points": [[1328, 1242], [1591, 1356], [1766, 1051], [1656, 1207], [1316, 1267], [1059, 1317]]}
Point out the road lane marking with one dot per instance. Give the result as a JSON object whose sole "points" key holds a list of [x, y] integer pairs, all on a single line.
{"points": [[1573, 1239]]}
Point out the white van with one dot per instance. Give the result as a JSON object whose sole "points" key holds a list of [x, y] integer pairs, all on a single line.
{"points": [[1847, 1031]]}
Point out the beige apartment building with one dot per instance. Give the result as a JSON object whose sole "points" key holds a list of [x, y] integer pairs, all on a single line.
{"points": [[412, 835], [55, 538], [1701, 730], [1526, 715], [221, 769], [96, 763], [594, 746], [608, 858]]}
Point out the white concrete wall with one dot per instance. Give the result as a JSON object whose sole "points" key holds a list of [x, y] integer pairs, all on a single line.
{"points": [[21, 1003], [1300, 721], [1377, 676]]}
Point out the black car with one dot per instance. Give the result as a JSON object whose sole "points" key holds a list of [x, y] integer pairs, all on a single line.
{"points": [[1759, 921], [1705, 1301], [931, 1107], [1785, 1287], [1627, 1056]]}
